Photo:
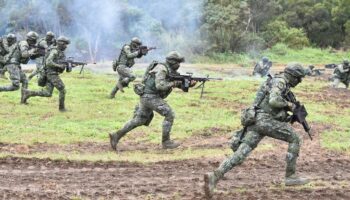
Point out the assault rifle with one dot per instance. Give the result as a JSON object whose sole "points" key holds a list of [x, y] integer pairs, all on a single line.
{"points": [[144, 49], [186, 81], [299, 113], [70, 63], [330, 66], [317, 72]]}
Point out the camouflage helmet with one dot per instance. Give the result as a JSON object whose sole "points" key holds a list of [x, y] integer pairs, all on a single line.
{"points": [[50, 34], [265, 59], [295, 69], [136, 40], [175, 56], [31, 35], [63, 39], [11, 36], [346, 62]]}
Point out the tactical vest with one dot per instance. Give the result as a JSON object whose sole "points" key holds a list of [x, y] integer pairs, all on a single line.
{"points": [[124, 60], [54, 69], [263, 96], [150, 81]]}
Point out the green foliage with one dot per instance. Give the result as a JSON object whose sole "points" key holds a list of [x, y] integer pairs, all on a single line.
{"points": [[280, 49], [279, 32]]}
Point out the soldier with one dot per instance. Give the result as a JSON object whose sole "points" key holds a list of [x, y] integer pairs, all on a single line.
{"points": [[53, 67], [268, 117], [125, 61], [4, 49], [19, 53], [311, 71], [157, 87], [262, 68], [43, 45], [341, 74]]}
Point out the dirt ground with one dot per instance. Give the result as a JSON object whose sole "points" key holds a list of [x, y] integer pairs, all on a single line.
{"points": [[260, 177]]}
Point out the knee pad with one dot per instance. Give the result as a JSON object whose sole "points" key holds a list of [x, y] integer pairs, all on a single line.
{"points": [[170, 116]]}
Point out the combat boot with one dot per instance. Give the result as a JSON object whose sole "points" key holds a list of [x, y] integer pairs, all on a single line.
{"points": [[210, 181], [169, 144], [114, 139], [120, 86], [294, 180], [62, 108], [25, 96]]}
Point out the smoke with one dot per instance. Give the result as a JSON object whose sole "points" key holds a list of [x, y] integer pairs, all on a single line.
{"points": [[98, 29]]}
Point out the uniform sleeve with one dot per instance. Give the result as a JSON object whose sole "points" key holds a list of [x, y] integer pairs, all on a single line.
{"points": [[51, 59], [130, 54], [24, 50], [160, 78], [276, 100], [43, 44]]}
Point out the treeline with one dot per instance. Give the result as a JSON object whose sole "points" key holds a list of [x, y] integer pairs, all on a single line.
{"points": [[99, 28], [249, 25]]}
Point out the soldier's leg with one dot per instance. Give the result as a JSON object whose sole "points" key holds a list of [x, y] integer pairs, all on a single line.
{"points": [[15, 78], [142, 116], [2, 71], [126, 75], [161, 106], [249, 142], [24, 81], [335, 82], [39, 65], [59, 85], [46, 92], [283, 131]]}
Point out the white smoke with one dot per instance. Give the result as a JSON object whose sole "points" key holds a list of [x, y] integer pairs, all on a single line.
{"points": [[98, 29]]}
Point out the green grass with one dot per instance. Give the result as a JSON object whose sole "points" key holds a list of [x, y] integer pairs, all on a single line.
{"points": [[92, 115], [307, 55]]}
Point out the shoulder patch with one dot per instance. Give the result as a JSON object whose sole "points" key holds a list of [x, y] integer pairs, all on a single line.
{"points": [[280, 83]]}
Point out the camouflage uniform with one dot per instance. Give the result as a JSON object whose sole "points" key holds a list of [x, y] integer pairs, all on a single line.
{"points": [[44, 44], [124, 63], [52, 70], [270, 119], [341, 74], [261, 69], [3, 52], [157, 87], [19, 53]]}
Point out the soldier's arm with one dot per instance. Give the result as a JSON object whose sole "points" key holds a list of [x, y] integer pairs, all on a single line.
{"points": [[43, 44], [161, 81], [276, 98], [130, 54], [51, 60], [24, 50]]}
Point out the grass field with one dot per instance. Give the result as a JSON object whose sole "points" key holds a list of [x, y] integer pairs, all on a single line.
{"points": [[45, 154], [92, 115]]}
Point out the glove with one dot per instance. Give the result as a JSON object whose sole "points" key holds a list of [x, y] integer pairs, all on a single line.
{"points": [[291, 106], [32, 52]]}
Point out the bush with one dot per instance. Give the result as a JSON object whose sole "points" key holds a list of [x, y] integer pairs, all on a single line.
{"points": [[280, 49]]}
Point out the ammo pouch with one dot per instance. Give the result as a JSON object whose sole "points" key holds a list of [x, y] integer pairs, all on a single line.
{"points": [[235, 141], [42, 79], [139, 89], [248, 116]]}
